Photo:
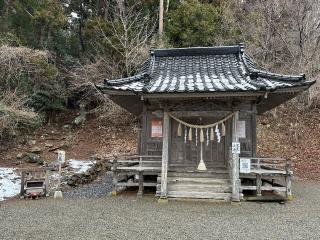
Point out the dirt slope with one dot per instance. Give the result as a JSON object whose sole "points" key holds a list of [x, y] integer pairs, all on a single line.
{"points": [[96, 138], [293, 134]]}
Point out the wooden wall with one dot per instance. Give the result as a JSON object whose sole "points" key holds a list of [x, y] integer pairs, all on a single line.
{"points": [[210, 111]]}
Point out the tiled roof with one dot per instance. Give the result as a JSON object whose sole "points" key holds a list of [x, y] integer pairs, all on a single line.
{"points": [[213, 69]]}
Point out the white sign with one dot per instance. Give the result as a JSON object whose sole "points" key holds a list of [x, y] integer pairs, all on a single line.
{"points": [[245, 165], [241, 129], [236, 147], [61, 156]]}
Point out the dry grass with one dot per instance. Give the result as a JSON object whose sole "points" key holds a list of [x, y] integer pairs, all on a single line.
{"points": [[26, 69], [14, 116]]}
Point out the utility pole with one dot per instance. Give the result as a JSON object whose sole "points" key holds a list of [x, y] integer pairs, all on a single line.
{"points": [[161, 18]]}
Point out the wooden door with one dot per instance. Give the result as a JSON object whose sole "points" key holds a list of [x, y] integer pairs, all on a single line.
{"points": [[186, 154]]}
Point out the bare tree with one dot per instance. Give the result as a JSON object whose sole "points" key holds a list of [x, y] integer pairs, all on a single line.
{"points": [[161, 17], [131, 32]]}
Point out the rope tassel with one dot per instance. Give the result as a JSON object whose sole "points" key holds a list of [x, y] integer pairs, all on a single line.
{"points": [[223, 129], [185, 134], [218, 134], [201, 136], [179, 133], [211, 134], [202, 166], [196, 137], [190, 134]]}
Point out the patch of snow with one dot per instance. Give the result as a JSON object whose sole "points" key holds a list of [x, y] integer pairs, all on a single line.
{"points": [[80, 166], [74, 15], [54, 176], [10, 183]]}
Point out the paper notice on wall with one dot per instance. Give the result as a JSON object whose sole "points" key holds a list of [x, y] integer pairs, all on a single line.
{"points": [[241, 129], [245, 165], [156, 128], [236, 147]]}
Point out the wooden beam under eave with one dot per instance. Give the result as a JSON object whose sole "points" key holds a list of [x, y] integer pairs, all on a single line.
{"points": [[273, 100], [132, 104]]}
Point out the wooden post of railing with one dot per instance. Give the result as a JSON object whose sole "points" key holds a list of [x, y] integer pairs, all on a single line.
{"points": [[115, 176], [165, 155], [259, 184], [235, 163], [140, 191], [47, 182], [288, 181]]}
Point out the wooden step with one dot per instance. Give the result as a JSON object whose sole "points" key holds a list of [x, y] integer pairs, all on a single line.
{"points": [[200, 188], [218, 176], [198, 180], [198, 173], [194, 179], [200, 195]]}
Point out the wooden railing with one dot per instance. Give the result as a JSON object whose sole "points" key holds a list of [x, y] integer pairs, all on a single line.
{"points": [[279, 164], [135, 160], [138, 164], [265, 169]]}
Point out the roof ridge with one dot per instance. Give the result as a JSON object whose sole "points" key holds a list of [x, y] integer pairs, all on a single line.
{"points": [[196, 51]]}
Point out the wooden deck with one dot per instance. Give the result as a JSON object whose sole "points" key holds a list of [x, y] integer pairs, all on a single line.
{"points": [[268, 174], [134, 170]]}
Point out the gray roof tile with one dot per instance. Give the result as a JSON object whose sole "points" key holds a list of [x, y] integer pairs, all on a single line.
{"points": [[215, 69]]}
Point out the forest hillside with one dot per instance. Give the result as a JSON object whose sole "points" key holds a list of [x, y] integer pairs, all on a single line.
{"points": [[52, 53]]}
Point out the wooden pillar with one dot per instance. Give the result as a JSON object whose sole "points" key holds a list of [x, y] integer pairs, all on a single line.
{"points": [[235, 163], [254, 129], [139, 150], [165, 154], [143, 149]]}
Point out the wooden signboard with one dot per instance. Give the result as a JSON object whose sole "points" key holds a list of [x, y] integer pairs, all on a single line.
{"points": [[156, 128]]}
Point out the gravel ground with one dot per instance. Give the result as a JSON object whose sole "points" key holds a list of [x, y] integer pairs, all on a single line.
{"points": [[97, 189], [125, 217]]}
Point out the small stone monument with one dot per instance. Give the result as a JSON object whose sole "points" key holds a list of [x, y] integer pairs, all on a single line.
{"points": [[61, 160]]}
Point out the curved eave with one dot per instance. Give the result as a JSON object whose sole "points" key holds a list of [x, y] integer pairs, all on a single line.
{"points": [[293, 89], [111, 91]]}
